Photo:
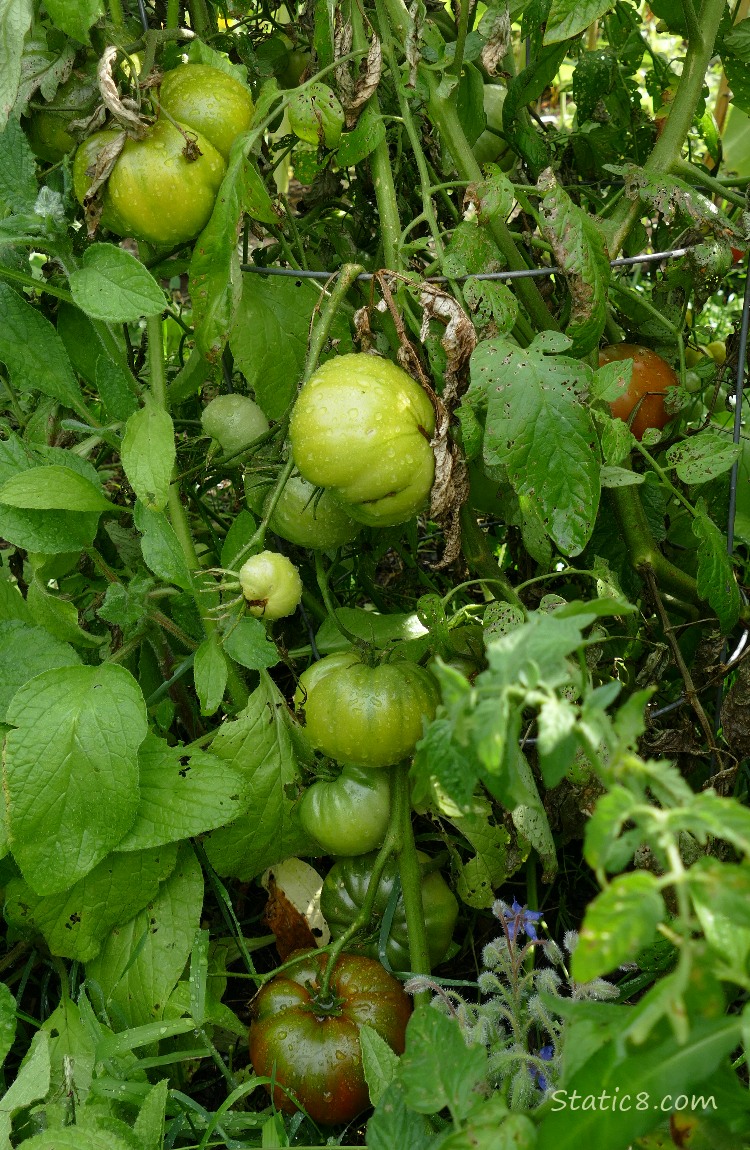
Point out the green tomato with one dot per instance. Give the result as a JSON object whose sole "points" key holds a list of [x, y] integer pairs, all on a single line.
{"points": [[312, 1046], [154, 192], [371, 716], [362, 427], [271, 584], [316, 116], [309, 517], [234, 421], [209, 101], [74, 100], [348, 815], [344, 891]]}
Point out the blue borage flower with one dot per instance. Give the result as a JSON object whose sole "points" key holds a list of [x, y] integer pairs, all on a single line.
{"points": [[517, 918]]}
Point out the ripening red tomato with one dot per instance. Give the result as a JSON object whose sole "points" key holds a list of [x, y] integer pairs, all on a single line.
{"points": [[651, 378]]}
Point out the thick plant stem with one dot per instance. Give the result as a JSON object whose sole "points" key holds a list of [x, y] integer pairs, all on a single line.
{"points": [[385, 194], [344, 281], [411, 877], [177, 514], [643, 552], [173, 13], [667, 149], [200, 19], [116, 13]]}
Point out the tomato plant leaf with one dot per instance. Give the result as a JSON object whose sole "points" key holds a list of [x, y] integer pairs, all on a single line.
{"points": [[210, 672], [539, 429], [75, 922], [161, 547], [148, 454], [140, 964], [7, 1021], [569, 17], [378, 1062], [620, 922], [703, 457], [369, 132], [716, 581], [247, 643], [179, 796], [114, 286], [259, 745], [491, 866], [437, 1068], [74, 17], [578, 247], [77, 733], [58, 616], [395, 1124], [34, 353]]}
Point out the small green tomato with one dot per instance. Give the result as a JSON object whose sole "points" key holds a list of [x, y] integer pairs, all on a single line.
{"points": [[234, 421], [271, 585]]}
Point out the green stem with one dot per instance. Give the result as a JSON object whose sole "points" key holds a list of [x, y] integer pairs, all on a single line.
{"points": [[173, 13], [668, 148], [480, 559], [643, 552], [385, 194], [344, 281], [201, 21], [325, 591], [462, 32], [411, 879], [116, 13], [177, 514], [697, 176]]}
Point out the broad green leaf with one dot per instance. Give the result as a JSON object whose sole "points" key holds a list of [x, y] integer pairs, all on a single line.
{"points": [[12, 603], [374, 628], [7, 1021], [620, 922], [58, 616], [530, 818], [18, 185], [26, 651], [30, 1084], [437, 1068], [53, 488], [114, 286], [578, 247], [356, 145], [210, 672], [395, 1124], [258, 743], [71, 771], [716, 581], [180, 797], [538, 428], [34, 353], [15, 21], [247, 643], [557, 743], [441, 759], [605, 847], [379, 1062], [721, 896], [269, 336], [664, 1070], [75, 17], [739, 83], [76, 922], [703, 457], [569, 17], [140, 963], [161, 548], [148, 454]]}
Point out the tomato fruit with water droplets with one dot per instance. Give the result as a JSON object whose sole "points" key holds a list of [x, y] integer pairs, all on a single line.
{"points": [[310, 1044], [209, 101], [348, 815]]}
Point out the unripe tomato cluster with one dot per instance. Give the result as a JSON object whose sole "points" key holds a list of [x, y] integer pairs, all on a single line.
{"points": [[163, 186]]}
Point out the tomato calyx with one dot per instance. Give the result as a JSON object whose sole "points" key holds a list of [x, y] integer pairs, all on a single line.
{"points": [[323, 1003]]}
